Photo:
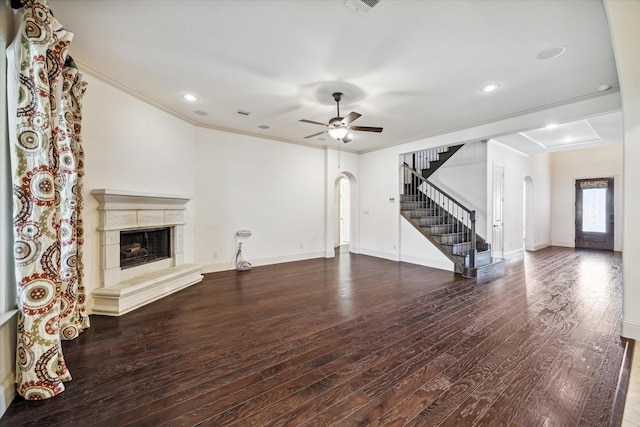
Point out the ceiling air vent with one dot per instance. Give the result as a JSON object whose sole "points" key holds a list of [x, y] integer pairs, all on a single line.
{"points": [[361, 7]]}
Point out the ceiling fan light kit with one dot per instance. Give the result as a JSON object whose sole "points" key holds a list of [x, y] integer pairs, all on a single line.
{"points": [[338, 132], [339, 127]]}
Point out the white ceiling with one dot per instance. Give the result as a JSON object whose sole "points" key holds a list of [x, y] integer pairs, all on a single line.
{"points": [[589, 132], [414, 68]]}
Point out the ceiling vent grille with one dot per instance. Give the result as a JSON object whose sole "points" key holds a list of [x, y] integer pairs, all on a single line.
{"points": [[361, 7]]}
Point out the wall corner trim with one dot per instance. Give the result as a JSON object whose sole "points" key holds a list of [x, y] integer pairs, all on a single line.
{"points": [[630, 329]]}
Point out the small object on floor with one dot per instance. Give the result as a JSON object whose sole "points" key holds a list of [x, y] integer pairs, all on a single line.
{"points": [[241, 264]]}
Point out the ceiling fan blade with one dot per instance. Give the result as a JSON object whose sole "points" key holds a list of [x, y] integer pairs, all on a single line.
{"points": [[312, 122], [315, 134], [366, 128], [351, 117]]}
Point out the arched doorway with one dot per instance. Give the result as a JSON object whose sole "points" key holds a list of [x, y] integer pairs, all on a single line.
{"points": [[342, 224]]}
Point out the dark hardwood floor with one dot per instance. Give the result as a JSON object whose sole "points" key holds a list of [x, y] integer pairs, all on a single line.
{"points": [[356, 340]]}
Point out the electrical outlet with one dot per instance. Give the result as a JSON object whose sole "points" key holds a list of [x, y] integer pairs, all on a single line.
{"points": [[215, 254]]}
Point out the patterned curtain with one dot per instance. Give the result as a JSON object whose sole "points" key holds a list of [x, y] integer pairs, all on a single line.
{"points": [[47, 168]]}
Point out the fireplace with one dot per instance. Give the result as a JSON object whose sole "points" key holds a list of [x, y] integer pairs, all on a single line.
{"points": [[141, 246]]}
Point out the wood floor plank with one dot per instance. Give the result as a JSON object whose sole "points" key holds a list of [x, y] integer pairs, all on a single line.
{"points": [[355, 340], [562, 315], [564, 388]]}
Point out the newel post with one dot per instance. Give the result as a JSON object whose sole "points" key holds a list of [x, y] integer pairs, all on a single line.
{"points": [[472, 253]]}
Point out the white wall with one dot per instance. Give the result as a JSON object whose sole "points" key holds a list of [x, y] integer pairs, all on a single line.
{"points": [[566, 167], [131, 145], [540, 225], [275, 190], [383, 233], [464, 177], [379, 217], [623, 18], [517, 167]]}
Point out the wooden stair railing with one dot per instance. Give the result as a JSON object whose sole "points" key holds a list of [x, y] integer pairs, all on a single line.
{"points": [[446, 222], [426, 162]]}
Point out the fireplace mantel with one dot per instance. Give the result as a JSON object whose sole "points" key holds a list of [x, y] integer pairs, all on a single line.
{"points": [[119, 199], [126, 290]]}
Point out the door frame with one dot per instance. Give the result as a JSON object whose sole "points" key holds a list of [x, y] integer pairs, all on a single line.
{"points": [[344, 204], [595, 240], [497, 229]]}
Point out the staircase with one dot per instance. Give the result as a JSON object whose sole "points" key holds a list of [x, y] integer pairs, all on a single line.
{"points": [[428, 161], [448, 224]]}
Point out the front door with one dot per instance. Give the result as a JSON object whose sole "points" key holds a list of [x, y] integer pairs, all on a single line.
{"points": [[594, 213]]}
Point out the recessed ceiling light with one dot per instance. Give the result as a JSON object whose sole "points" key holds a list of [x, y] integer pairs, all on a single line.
{"points": [[490, 88], [551, 126], [189, 97], [550, 53], [263, 127], [603, 88], [201, 113], [567, 140]]}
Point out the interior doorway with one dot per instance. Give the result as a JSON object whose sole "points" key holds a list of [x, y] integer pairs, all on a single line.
{"points": [[344, 209], [594, 213], [497, 240]]}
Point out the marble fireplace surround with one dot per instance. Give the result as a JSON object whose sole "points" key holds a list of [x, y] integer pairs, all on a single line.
{"points": [[121, 290]]}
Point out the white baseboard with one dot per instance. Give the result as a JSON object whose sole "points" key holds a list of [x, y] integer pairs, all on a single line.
{"points": [[433, 263], [354, 249], [379, 254], [630, 329], [7, 392], [511, 255], [213, 268], [563, 244], [538, 246]]}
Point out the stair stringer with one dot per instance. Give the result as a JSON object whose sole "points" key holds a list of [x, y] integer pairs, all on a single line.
{"points": [[441, 159], [486, 268]]}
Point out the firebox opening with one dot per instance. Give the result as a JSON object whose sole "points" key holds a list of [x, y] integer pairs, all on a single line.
{"points": [[143, 246]]}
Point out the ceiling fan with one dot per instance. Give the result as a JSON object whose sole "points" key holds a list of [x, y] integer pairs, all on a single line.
{"points": [[339, 127]]}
